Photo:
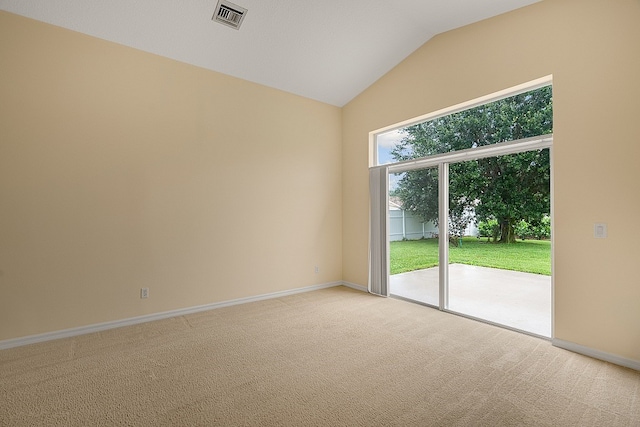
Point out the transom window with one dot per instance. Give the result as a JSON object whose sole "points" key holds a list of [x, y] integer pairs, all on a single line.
{"points": [[515, 117]]}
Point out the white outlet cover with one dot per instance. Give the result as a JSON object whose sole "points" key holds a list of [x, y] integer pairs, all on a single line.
{"points": [[600, 230]]}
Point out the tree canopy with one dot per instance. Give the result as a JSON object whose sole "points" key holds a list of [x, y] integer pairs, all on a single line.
{"points": [[508, 188]]}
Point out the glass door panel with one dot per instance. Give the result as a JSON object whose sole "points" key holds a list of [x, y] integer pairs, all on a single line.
{"points": [[499, 240], [413, 235]]}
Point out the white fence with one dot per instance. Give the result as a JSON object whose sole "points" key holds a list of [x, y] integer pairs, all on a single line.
{"points": [[403, 225]]}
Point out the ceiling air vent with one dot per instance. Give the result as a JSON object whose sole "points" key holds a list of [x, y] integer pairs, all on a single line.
{"points": [[229, 14]]}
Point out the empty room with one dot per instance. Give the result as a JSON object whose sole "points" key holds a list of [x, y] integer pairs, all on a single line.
{"points": [[194, 214]]}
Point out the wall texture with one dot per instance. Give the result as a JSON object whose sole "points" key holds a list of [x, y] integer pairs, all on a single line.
{"points": [[592, 50], [121, 170]]}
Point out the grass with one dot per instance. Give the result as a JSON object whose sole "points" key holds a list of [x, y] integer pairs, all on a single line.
{"points": [[530, 256]]}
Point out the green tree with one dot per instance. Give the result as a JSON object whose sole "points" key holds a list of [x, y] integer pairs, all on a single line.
{"points": [[508, 188]]}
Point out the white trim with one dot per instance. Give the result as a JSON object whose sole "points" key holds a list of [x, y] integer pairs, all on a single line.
{"points": [[597, 354], [355, 286], [72, 332]]}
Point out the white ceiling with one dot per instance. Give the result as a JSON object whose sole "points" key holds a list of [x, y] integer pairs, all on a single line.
{"points": [[328, 50]]}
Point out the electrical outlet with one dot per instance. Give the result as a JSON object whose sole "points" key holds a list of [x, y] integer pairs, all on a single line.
{"points": [[317, 269], [600, 230], [144, 293]]}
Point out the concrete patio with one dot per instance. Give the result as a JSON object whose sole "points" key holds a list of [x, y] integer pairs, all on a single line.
{"points": [[511, 298]]}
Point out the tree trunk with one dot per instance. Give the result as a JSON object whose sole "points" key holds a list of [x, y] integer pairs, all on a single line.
{"points": [[507, 232]]}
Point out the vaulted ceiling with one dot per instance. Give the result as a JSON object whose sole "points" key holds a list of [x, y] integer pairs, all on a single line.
{"points": [[328, 50]]}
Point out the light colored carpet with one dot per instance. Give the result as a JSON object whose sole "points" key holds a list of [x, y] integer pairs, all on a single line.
{"points": [[335, 357]]}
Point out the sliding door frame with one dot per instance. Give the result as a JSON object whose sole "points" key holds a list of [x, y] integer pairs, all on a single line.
{"points": [[443, 233], [442, 161]]}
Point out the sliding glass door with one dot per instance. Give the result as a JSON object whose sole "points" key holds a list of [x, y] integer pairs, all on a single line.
{"points": [[472, 236]]}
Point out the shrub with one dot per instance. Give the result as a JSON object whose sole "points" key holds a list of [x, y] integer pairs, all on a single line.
{"points": [[542, 230], [523, 229], [489, 229]]}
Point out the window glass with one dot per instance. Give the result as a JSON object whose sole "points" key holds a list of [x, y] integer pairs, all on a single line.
{"points": [[519, 116]]}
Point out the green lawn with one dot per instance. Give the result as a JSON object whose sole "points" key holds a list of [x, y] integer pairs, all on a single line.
{"points": [[531, 256]]}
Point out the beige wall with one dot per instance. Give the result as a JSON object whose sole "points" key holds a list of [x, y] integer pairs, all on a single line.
{"points": [[121, 170], [592, 48]]}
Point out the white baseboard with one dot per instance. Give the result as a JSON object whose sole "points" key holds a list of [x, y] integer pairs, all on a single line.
{"points": [[354, 286], [66, 333], [597, 354]]}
